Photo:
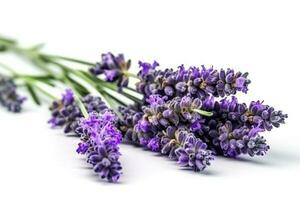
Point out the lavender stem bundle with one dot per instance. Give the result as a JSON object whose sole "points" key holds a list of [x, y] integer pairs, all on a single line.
{"points": [[189, 114]]}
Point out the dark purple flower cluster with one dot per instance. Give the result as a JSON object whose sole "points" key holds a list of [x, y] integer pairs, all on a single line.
{"points": [[115, 69], [234, 127], [99, 141], [9, 97], [66, 113], [194, 81], [181, 118], [160, 128]]}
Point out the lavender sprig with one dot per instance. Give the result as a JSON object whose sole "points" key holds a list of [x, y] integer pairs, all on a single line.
{"points": [[100, 140], [197, 82], [115, 69], [178, 115]]}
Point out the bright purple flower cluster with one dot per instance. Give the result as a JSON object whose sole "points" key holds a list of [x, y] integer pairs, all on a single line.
{"points": [[114, 68], [9, 97], [99, 141], [66, 113]]}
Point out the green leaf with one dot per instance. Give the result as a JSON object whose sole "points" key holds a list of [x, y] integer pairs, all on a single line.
{"points": [[33, 94]]}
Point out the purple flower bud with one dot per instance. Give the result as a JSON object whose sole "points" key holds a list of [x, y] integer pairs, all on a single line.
{"points": [[155, 100], [146, 67], [111, 75], [82, 148]]}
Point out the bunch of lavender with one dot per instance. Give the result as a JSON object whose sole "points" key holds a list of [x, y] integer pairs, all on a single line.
{"points": [[99, 141], [178, 115], [231, 130], [9, 97]]}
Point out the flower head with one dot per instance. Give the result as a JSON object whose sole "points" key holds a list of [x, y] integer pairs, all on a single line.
{"points": [[197, 82], [193, 153], [114, 69], [9, 97], [105, 161], [100, 140], [68, 97]]}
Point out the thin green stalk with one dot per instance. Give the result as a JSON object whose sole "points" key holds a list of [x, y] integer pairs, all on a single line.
{"points": [[68, 59], [7, 40], [14, 73], [41, 60], [129, 74], [111, 102], [33, 83], [115, 98], [30, 82], [203, 112], [45, 92]]}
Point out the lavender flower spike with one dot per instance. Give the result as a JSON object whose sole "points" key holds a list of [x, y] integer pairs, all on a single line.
{"points": [[100, 139], [8, 95], [197, 82], [114, 69], [193, 152]]}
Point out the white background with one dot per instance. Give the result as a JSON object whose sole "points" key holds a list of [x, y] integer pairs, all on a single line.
{"points": [[261, 37]]}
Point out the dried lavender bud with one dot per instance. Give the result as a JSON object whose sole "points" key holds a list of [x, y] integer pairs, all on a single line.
{"points": [[114, 68], [66, 113], [100, 139], [9, 97]]}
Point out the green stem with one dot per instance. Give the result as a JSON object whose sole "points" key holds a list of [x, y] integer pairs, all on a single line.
{"points": [[41, 61], [7, 40], [14, 73], [28, 80], [203, 112], [115, 98], [69, 59], [33, 83], [129, 74]]}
